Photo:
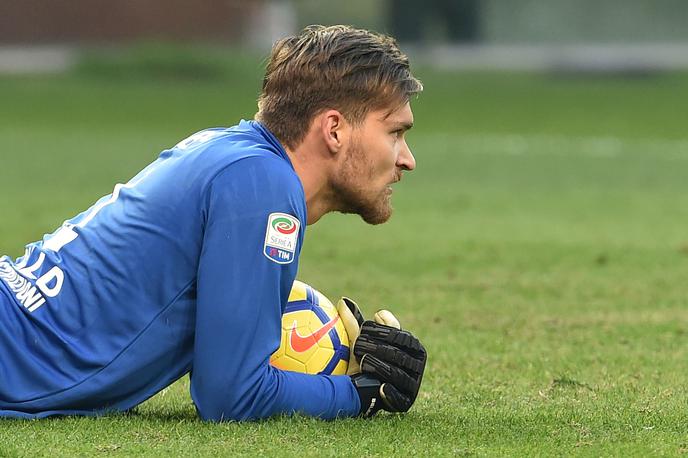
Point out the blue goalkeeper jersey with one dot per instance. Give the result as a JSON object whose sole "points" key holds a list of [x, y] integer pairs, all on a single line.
{"points": [[185, 268]]}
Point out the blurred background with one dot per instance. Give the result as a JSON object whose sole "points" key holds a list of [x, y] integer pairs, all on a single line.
{"points": [[540, 120], [539, 247], [522, 34]]}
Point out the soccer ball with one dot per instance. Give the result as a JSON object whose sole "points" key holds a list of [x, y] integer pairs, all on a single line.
{"points": [[314, 340]]}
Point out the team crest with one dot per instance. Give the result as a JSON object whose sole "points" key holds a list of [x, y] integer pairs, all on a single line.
{"points": [[281, 237]]}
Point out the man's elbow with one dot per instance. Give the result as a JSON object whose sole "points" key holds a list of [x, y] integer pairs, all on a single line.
{"points": [[218, 403], [215, 413], [216, 406]]}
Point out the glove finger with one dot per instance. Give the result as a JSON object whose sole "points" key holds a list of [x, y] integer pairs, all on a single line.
{"points": [[388, 373], [355, 310], [402, 340], [387, 318], [392, 355], [351, 317], [394, 400]]}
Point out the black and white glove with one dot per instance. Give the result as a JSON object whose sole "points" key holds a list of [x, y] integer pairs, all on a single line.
{"points": [[386, 364]]}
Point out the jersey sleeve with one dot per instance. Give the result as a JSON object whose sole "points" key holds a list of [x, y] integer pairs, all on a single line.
{"points": [[242, 286]]}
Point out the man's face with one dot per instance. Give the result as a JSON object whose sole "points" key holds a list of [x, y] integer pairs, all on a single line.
{"points": [[375, 158]]}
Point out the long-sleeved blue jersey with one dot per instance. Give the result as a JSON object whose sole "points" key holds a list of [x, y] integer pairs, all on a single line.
{"points": [[186, 267]]}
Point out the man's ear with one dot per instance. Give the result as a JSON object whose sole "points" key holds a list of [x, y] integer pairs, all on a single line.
{"points": [[334, 129]]}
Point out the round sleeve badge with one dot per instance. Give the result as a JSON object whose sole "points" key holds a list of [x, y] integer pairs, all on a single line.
{"points": [[281, 237]]}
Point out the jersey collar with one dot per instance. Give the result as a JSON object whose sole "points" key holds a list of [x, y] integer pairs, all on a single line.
{"points": [[272, 140]]}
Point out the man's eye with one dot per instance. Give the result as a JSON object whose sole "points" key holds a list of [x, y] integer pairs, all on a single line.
{"points": [[397, 133]]}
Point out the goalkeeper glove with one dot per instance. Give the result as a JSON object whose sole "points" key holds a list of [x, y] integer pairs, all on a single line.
{"points": [[352, 318], [392, 361]]}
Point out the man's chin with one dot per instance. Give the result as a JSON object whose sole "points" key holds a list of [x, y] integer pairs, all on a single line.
{"points": [[374, 216], [374, 212], [376, 219], [378, 214]]}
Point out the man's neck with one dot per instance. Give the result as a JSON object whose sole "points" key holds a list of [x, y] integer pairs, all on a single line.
{"points": [[313, 173]]}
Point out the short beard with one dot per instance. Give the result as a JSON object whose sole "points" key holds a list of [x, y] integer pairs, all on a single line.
{"points": [[353, 197]]}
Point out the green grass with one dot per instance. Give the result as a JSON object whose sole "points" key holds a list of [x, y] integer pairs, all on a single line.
{"points": [[540, 251]]}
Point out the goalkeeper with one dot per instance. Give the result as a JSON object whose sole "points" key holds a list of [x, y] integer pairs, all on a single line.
{"points": [[186, 268]]}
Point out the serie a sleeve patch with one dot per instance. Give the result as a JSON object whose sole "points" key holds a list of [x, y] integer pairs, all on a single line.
{"points": [[281, 237]]}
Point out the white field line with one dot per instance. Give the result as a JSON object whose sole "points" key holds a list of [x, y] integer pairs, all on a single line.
{"points": [[36, 59], [572, 57], [538, 144]]}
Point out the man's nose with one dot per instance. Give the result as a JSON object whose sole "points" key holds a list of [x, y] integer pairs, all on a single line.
{"points": [[406, 160]]}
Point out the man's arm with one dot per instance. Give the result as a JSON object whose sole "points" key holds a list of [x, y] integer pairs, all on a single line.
{"points": [[239, 304]]}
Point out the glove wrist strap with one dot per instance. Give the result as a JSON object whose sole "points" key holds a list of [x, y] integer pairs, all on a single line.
{"points": [[368, 389]]}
